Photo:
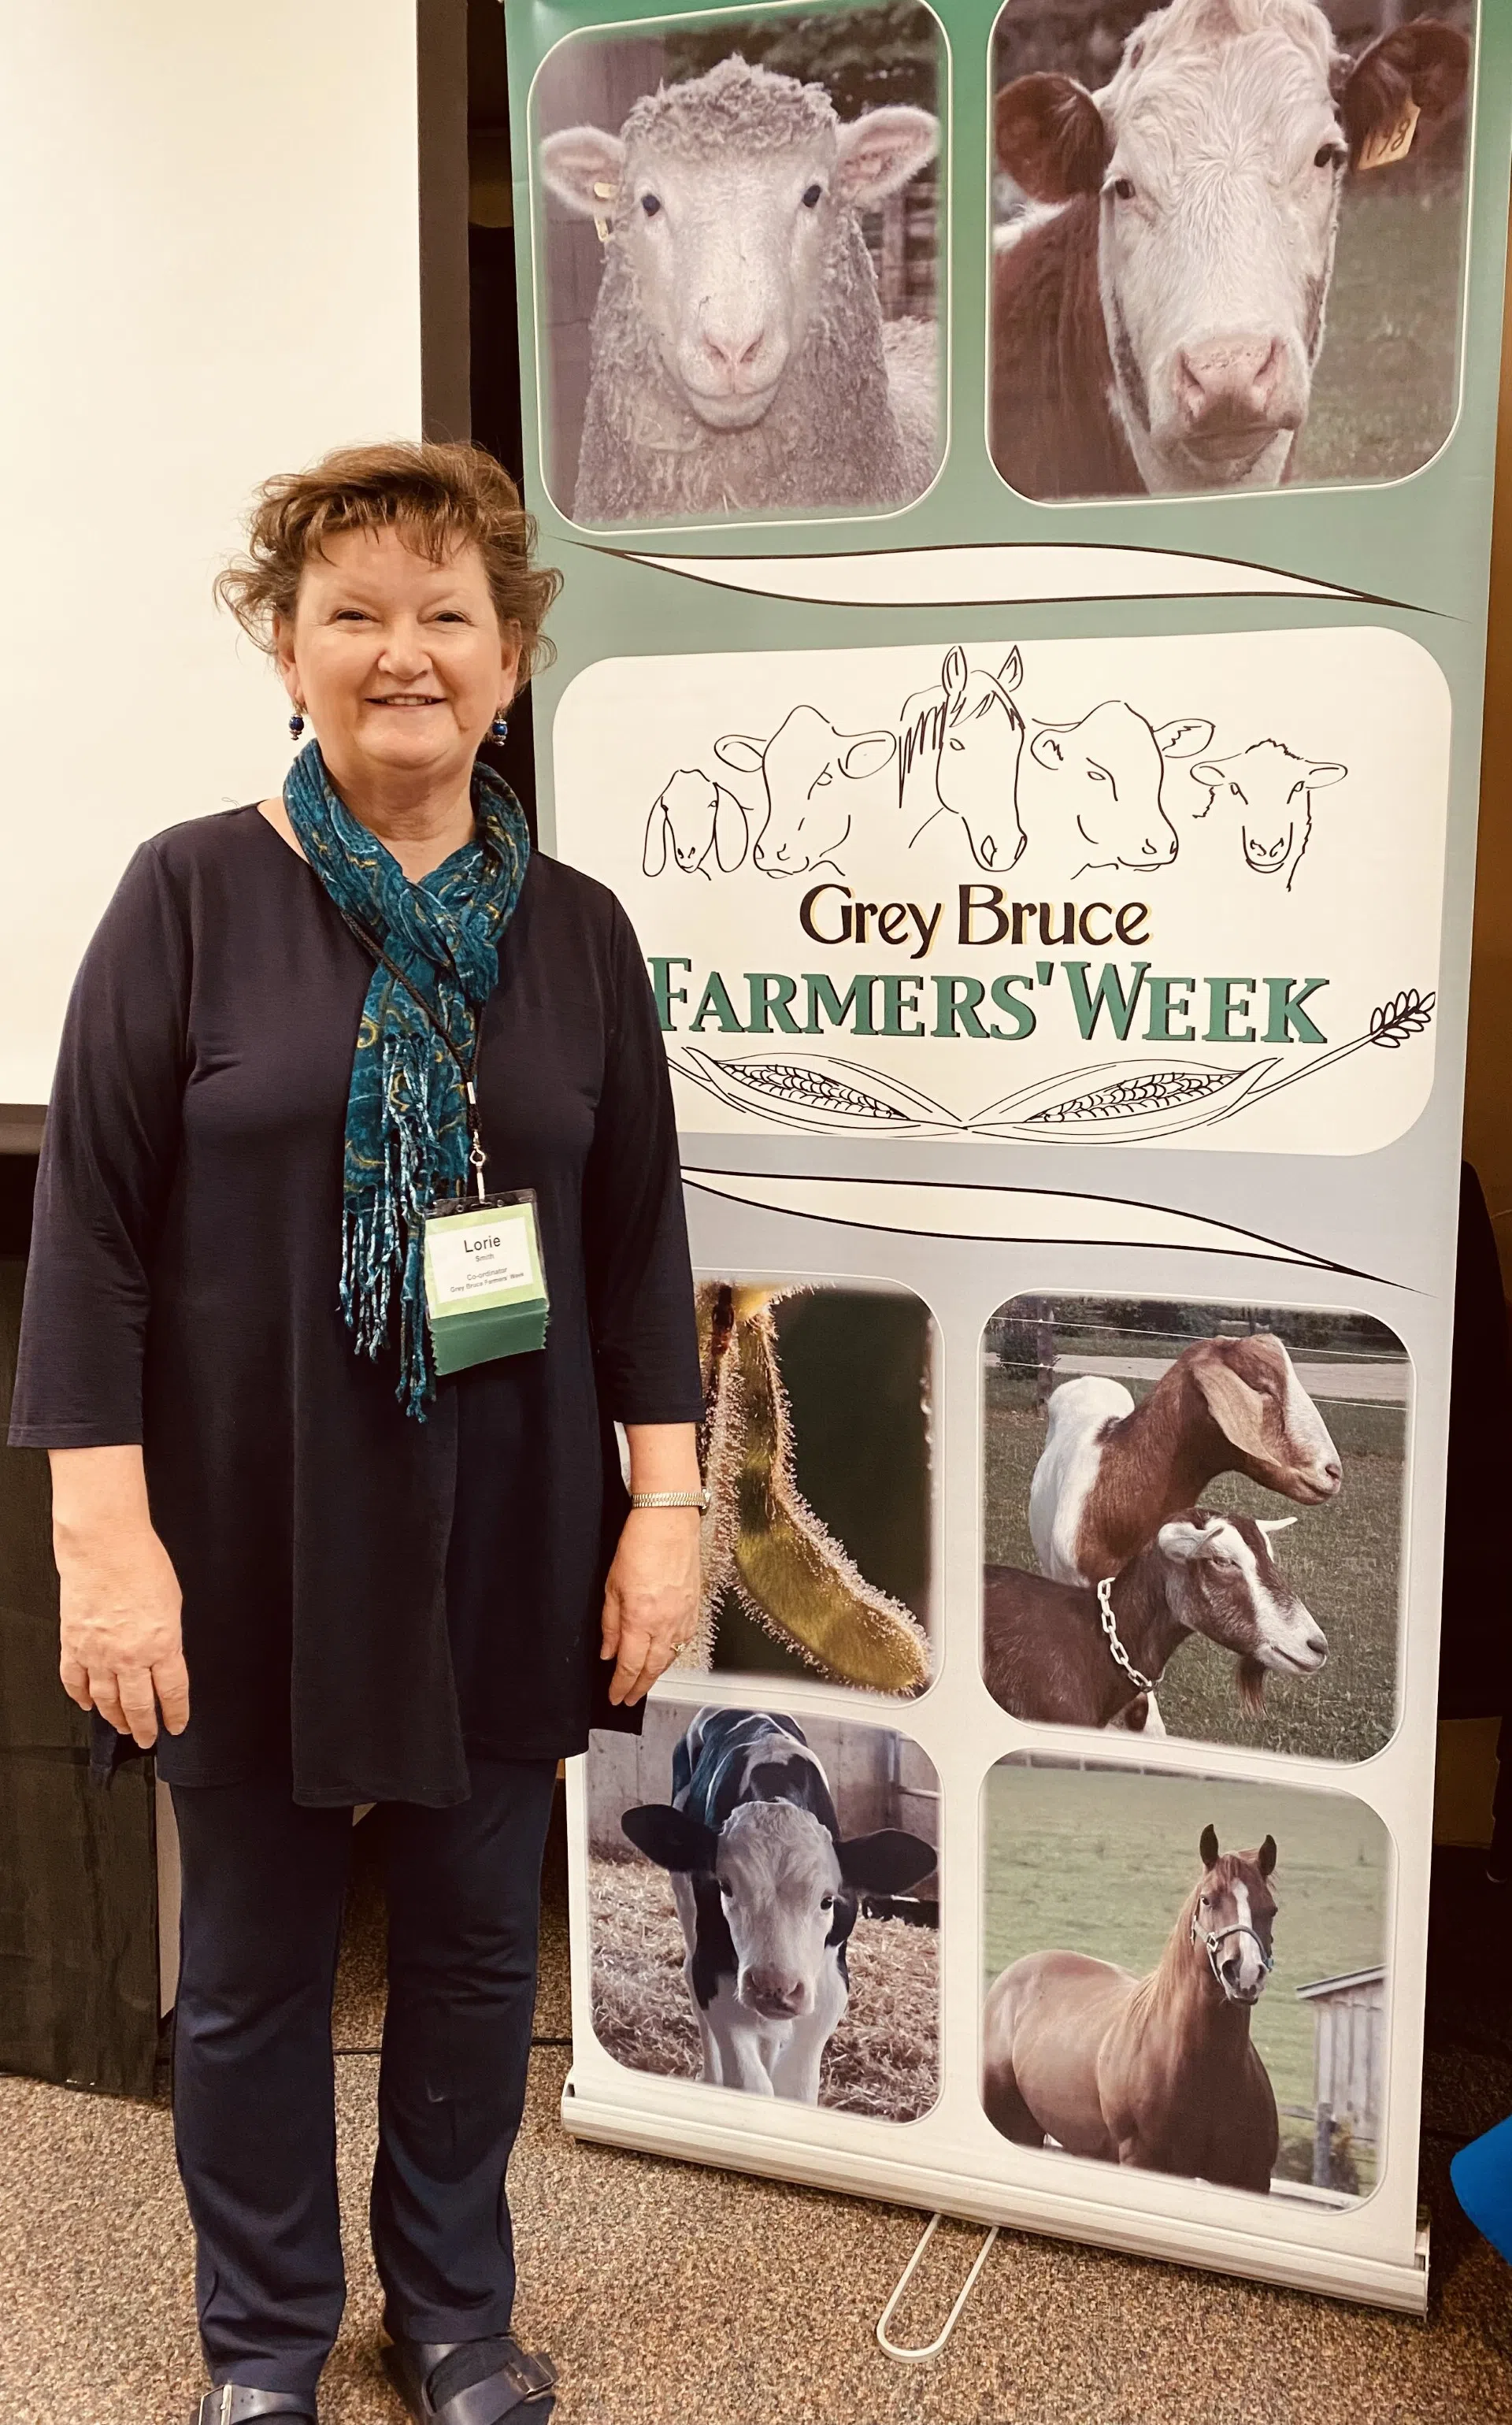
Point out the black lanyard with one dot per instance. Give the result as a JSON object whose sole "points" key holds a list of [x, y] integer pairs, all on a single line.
{"points": [[466, 1070]]}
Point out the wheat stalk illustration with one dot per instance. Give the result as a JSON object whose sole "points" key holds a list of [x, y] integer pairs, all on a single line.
{"points": [[814, 1090], [1391, 1024], [1108, 1104]]}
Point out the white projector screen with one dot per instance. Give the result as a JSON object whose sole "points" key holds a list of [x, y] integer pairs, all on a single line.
{"points": [[210, 272]]}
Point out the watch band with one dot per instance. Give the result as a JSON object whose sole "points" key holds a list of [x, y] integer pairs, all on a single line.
{"points": [[698, 1498]]}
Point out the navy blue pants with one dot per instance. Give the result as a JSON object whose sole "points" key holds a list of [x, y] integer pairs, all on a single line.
{"points": [[253, 2074]]}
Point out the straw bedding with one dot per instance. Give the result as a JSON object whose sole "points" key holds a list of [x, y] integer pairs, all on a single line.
{"points": [[884, 2058]]}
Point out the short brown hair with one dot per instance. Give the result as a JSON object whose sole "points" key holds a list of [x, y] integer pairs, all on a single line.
{"points": [[441, 497]]}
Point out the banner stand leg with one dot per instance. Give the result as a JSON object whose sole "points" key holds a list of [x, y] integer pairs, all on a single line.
{"points": [[919, 2357]]}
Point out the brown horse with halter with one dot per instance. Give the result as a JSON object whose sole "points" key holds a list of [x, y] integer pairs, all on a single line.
{"points": [[1157, 2071]]}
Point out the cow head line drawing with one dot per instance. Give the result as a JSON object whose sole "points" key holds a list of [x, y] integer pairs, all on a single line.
{"points": [[1216, 156], [1272, 788], [693, 820], [811, 777], [1099, 782], [959, 753]]}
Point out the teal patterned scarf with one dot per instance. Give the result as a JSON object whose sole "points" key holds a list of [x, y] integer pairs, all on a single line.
{"points": [[408, 1139]]}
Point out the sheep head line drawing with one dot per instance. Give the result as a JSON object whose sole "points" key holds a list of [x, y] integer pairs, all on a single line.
{"points": [[1087, 795], [1116, 1102], [760, 1539], [738, 356], [1272, 788]]}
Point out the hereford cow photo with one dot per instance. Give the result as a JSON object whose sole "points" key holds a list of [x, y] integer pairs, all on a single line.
{"points": [[818, 1547], [764, 1907], [1193, 1519], [1226, 242], [1186, 1975], [739, 265]]}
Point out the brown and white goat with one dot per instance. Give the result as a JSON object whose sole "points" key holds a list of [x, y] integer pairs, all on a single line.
{"points": [[1111, 1472], [1046, 1658]]}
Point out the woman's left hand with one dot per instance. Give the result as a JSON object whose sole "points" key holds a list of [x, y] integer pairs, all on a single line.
{"points": [[650, 1600]]}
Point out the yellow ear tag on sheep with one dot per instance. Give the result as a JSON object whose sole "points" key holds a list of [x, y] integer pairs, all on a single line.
{"points": [[1383, 151], [602, 193]]}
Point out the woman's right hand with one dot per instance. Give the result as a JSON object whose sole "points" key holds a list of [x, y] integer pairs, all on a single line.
{"points": [[122, 1649]]}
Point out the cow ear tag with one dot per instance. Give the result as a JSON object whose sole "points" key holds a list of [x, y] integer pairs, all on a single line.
{"points": [[1383, 151], [485, 1280]]}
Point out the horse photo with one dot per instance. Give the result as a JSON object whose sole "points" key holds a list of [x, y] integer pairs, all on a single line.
{"points": [[1165, 1963], [1158, 2071]]}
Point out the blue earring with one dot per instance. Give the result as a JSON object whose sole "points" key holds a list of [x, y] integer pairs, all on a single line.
{"points": [[499, 729], [296, 725]]}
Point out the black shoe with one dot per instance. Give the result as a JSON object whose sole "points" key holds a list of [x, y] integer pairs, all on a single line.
{"points": [[231, 2403], [471, 2382]]}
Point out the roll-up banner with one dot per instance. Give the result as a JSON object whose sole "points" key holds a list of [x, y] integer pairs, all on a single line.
{"points": [[1023, 483]]}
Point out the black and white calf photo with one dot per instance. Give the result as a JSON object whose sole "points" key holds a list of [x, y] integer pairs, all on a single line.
{"points": [[1226, 242], [1192, 1520], [739, 265], [764, 1908]]}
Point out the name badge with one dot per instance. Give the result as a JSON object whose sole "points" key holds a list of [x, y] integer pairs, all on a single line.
{"points": [[485, 1280]]}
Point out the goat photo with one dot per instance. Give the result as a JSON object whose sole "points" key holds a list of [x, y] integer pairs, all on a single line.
{"points": [[764, 1907], [739, 265], [1227, 241], [1192, 1519], [1186, 1974]]}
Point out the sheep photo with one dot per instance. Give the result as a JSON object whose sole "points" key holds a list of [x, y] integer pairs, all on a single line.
{"points": [[738, 276], [764, 1907], [1192, 1520]]}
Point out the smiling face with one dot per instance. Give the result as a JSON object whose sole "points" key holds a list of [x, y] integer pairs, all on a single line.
{"points": [[399, 662]]}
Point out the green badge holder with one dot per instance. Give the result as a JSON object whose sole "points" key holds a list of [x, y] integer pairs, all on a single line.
{"points": [[485, 1280]]}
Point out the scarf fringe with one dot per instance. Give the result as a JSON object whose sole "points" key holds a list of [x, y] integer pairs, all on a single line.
{"points": [[406, 1127], [384, 1218]]}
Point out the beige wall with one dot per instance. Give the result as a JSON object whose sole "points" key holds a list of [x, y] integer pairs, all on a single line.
{"points": [[210, 272]]}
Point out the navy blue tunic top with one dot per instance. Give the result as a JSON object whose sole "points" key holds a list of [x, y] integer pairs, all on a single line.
{"points": [[366, 1598]]}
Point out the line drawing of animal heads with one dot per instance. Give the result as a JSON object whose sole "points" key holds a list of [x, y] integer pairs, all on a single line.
{"points": [[962, 740], [1272, 789], [807, 769], [695, 821], [1102, 777]]}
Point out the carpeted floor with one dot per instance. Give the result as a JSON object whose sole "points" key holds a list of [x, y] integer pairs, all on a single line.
{"points": [[672, 2295]]}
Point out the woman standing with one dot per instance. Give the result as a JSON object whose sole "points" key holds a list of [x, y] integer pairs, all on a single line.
{"points": [[337, 1557]]}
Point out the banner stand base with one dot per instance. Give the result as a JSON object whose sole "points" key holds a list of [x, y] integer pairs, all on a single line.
{"points": [[921, 2357], [591, 2111]]}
